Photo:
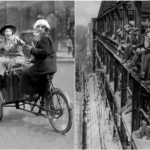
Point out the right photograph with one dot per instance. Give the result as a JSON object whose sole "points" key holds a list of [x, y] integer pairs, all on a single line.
{"points": [[112, 74]]}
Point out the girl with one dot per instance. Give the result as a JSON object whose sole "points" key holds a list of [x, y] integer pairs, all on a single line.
{"points": [[12, 48]]}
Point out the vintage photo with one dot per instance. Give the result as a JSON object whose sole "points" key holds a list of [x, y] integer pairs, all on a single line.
{"points": [[112, 75], [37, 53]]}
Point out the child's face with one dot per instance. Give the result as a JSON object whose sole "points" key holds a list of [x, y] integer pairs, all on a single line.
{"points": [[120, 33], [127, 28], [148, 35], [8, 33]]}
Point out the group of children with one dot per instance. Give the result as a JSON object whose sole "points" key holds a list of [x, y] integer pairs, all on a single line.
{"points": [[138, 44]]}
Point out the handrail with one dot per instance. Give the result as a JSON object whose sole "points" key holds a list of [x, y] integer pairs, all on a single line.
{"points": [[106, 38]]}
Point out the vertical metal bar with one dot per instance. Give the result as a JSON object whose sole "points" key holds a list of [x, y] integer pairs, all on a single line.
{"points": [[135, 104], [107, 90], [116, 22], [123, 136], [123, 103], [94, 55], [123, 87], [101, 52], [130, 82], [125, 16], [111, 76], [138, 12], [112, 24], [116, 83], [108, 63], [104, 54]]}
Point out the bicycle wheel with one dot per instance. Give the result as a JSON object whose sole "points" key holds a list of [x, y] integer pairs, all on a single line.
{"points": [[60, 114], [1, 106]]}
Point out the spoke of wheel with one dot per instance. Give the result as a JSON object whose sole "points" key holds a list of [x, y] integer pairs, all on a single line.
{"points": [[60, 122], [58, 99]]}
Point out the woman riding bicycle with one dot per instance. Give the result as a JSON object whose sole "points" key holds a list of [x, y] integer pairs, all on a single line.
{"points": [[12, 48], [44, 62]]}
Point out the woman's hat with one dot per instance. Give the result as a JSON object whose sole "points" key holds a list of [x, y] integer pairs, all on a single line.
{"points": [[41, 22], [12, 27]]}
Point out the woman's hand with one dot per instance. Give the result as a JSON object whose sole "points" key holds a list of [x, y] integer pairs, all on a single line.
{"points": [[28, 47]]}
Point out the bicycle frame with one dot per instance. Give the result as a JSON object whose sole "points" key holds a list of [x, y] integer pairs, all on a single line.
{"points": [[21, 103]]}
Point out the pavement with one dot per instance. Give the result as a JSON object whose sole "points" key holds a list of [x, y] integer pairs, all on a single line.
{"points": [[64, 56]]}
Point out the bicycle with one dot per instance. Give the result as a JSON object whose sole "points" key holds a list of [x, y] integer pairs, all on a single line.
{"points": [[53, 105]]}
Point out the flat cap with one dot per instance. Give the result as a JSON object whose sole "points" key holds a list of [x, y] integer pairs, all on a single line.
{"points": [[126, 26], [118, 30], [136, 29], [129, 30]]}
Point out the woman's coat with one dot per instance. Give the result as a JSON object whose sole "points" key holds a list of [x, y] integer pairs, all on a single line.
{"points": [[44, 63]]}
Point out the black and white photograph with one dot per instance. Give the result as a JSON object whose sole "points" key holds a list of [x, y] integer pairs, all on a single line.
{"points": [[37, 74], [112, 84], [74, 74]]}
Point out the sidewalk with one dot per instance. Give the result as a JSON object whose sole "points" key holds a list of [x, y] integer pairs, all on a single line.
{"points": [[64, 56]]}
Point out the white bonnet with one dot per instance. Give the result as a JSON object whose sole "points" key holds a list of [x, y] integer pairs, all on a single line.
{"points": [[41, 22]]}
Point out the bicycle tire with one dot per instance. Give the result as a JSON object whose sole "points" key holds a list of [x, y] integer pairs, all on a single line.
{"points": [[49, 102], [1, 106]]}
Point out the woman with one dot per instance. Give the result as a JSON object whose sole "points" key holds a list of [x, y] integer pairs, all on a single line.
{"points": [[44, 61], [12, 48]]}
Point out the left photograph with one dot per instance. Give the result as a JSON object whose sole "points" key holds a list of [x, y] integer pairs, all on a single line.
{"points": [[37, 74]]}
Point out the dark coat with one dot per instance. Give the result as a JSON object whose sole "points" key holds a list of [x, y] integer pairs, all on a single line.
{"points": [[45, 56], [44, 63], [132, 39], [140, 41]]}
